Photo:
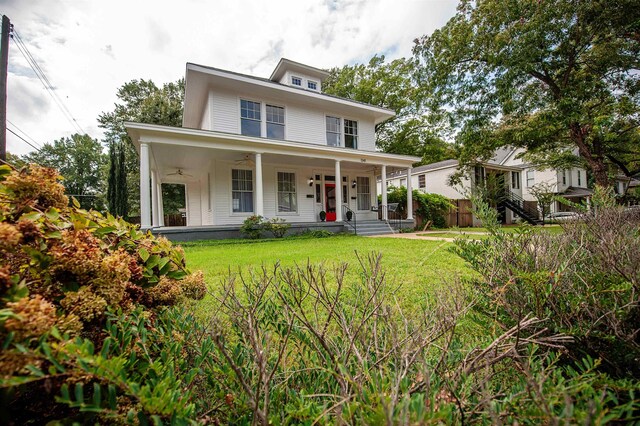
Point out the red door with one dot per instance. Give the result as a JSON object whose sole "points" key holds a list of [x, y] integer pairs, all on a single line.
{"points": [[330, 201]]}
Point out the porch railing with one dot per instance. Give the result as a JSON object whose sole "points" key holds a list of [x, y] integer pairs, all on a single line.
{"points": [[350, 222], [393, 215]]}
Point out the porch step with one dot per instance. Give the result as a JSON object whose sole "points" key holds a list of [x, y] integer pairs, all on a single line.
{"points": [[376, 227]]}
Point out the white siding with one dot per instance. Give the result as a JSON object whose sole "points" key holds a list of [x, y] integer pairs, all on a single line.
{"points": [[225, 112], [437, 183], [303, 124], [207, 114], [194, 214], [367, 135]]}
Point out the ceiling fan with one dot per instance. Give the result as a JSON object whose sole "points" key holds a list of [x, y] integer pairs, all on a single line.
{"points": [[179, 172], [247, 160]]}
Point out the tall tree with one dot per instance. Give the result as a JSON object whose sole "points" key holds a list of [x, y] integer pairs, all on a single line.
{"points": [[557, 77], [144, 102], [117, 180], [391, 85], [81, 162]]}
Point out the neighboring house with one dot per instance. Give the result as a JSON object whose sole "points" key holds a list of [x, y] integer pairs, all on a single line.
{"points": [[275, 147], [509, 171]]}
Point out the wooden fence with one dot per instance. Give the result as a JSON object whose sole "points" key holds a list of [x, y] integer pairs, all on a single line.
{"points": [[461, 215]]}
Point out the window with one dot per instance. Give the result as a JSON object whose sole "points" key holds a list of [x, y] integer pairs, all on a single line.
{"points": [[312, 85], [422, 181], [363, 194], [564, 177], [242, 190], [275, 122], [515, 180], [403, 182], [287, 200], [250, 118], [333, 131], [351, 134], [479, 175], [579, 178], [296, 81], [530, 178]]}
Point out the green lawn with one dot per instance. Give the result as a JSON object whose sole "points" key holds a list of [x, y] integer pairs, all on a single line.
{"points": [[414, 265]]}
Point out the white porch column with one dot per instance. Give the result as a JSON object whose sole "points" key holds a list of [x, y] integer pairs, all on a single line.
{"points": [[154, 200], [145, 189], [409, 195], [338, 193], [259, 194], [384, 191], [160, 204]]}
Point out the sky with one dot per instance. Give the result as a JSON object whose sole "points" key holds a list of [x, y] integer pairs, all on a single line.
{"points": [[88, 49]]}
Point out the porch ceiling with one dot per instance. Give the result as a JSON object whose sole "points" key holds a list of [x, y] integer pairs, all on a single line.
{"points": [[193, 161]]}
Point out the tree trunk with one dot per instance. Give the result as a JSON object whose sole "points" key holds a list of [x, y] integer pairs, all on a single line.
{"points": [[595, 161]]}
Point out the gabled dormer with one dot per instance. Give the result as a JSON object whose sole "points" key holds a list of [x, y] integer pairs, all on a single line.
{"points": [[298, 75]]}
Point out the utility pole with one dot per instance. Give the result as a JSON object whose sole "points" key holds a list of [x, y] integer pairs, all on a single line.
{"points": [[4, 61]]}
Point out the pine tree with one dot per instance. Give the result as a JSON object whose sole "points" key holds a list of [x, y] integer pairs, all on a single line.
{"points": [[112, 180]]}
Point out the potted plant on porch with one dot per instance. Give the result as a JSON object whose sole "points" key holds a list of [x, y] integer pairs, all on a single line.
{"points": [[323, 215], [349, 215]]}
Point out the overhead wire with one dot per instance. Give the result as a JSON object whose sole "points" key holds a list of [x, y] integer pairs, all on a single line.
{"points": [[39, 72], [25, 134], [28, 143]]}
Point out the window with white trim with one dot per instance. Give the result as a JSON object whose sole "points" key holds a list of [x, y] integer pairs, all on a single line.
{"points": [[287, 199], [422, 181], [242, 190], [275, 122], [564, 177], [312, 85], [350, 134], [515, 180], [579, 178], [530, 178], [333, 131], [250, 118], [296, 81], [363, 193]]}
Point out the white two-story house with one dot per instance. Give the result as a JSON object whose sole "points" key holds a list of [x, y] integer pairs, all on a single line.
{"points": [[274, 147]]}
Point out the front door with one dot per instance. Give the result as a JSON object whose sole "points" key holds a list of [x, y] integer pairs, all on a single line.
{"points": [[330, 201]]}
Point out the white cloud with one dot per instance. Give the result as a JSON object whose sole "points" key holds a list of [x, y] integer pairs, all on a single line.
{"points": [[88, 49]]}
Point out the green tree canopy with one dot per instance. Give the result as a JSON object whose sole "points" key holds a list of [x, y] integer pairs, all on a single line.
{"points": [[140, 101], [81, 162], [556, 77], [391, 85]]}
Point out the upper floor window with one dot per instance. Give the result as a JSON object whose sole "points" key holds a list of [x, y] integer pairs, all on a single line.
{"points": [[275, 122], [250, 118], [422, 181], [530, 178], [564, 177], [242, 190], [312, 85], [579, 178], [515, 180], [350, 134], [296, 81], [333, 131]]}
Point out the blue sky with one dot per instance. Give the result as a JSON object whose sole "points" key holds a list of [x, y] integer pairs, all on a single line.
{"points": [[88, 49]]}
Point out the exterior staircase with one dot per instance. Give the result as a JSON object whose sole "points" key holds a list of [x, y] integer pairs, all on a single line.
{"points": [[516, 204], [372, 227]]}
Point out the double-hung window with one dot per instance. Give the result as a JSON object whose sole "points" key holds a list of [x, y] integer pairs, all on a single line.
{"points": [[530, 178], [275, 122], [422, 181], [515, 180], [287, 200], [250, 117], [351, 134], [242, 190], [579, 178], [363, 195], [333, 131], [564, 177]]}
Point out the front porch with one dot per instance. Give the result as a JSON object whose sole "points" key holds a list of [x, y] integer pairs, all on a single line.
{"points": [[228, 178]]}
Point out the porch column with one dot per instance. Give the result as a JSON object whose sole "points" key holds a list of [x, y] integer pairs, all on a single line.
{"points": [[160, 204], [409, 195], [384, 191], [145, 189], [154, 200], [259, 195], [338, 193]]}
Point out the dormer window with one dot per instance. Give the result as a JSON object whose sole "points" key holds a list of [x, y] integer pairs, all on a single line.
{"points": [[312, 85], [296, 81]]}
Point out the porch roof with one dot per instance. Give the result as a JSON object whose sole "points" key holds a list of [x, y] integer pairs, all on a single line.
{"points": [[181, 137]]}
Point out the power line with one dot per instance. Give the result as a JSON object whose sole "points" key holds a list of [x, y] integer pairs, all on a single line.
{"points": [[29, 143], [39, 72], [25, 134]]}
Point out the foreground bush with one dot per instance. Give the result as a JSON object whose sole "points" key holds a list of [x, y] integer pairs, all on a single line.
{"points": [[64, 271]]}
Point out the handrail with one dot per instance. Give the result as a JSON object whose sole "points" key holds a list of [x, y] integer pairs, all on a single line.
{"points": [[353, 223], [515, 198], [394, 218]]}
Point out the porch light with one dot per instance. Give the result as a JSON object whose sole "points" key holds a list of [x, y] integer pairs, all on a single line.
{"points": [[310, 181], [353, 184]]}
